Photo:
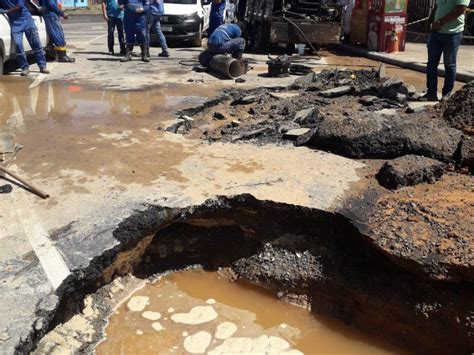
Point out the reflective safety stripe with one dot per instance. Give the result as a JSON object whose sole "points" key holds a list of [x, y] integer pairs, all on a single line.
{"points": [[60, 48]]}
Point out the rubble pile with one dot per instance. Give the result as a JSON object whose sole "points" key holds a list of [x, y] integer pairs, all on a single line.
{"points": [[459, 109]]}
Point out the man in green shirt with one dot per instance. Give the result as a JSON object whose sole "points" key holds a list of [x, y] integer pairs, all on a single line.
{"points": [[447, 26]]}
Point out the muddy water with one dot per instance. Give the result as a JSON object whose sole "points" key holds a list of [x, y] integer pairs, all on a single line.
{"points": [[233, 318]]}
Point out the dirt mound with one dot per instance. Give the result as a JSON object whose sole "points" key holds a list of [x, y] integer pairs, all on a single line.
{"points": [[459, 109]]}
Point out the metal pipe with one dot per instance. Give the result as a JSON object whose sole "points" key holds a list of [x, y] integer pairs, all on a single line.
{"points": [[230, 67]]}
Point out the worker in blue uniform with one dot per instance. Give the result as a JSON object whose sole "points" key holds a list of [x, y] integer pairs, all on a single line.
{"points": [[134, 21], [22, 22], [155, 12], [227, 39], [52, 14], [216, 16]]}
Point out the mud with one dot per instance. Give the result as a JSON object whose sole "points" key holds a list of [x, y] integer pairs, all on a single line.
{"points": [[312, 258]]}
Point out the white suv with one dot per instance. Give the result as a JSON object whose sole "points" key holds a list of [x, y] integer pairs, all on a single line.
{"points": [[7, 46]]}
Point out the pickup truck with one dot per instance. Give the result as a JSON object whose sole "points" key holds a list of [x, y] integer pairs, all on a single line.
{"points": [[7, 46]]}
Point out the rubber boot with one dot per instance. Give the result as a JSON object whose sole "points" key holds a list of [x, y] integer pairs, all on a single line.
{"points": [[64, 58], [123, 51], [128, 54], [145, 55]]}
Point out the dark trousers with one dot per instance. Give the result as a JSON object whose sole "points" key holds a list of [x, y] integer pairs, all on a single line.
{"points": [[235, 46], [135, 28], [55, 30], [112, 23], [447, 45]]}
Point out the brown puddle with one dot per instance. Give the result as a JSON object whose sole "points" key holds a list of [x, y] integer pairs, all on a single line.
{"points": [[246, 319], [78, 132]]}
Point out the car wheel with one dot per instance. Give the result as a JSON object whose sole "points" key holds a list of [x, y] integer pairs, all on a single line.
{"points": [[198, 40]]}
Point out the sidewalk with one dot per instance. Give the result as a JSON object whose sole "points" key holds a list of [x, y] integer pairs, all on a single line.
{"points": [[415, 58]]}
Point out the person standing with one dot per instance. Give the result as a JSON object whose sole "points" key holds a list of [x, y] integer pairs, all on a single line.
{"points": [[216, 16], [155, 12], [52, 18], [134, 21], [21, 22], [113, 15], [447, 26]]}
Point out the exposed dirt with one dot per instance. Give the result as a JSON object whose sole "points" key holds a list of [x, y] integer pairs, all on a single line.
{"points": [[427, 228], [314, 258], [459, 109]]}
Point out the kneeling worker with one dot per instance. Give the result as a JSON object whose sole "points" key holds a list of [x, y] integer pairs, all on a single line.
{"points": [[22, 22], [227, 39], [52, 15]]}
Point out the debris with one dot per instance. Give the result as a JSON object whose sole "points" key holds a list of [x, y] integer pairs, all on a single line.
{"points": [[418, 106], [219, 116], [409, 170], [240, 80], [295, 133], [301, 116], [337, 91], [368, 100], [382, 71], [459, 109], [6, 189], [235, 123], [244, 100], [250, 134], [467, 153]]}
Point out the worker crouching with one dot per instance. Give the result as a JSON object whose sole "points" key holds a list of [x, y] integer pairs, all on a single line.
{"points": [[227, 39], [52, 14], [135, 27]]}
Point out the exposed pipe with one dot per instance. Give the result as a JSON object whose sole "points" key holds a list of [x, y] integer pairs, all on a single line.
{"points": [[230, 67]]}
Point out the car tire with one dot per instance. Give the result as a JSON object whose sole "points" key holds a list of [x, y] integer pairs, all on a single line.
{"points": [[197, 42]]}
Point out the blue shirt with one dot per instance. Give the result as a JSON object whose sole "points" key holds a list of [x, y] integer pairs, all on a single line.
{"points": [[157, 7], [50, 8], [225, 33], [113, 9], [21, 14], [144, 3], [217, 10]]}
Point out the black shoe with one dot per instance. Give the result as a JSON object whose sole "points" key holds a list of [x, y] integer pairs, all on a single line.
{"points": [[128, 54], [25, 72], [164, 54], [429, 97], [64, 58], [145, 55]]}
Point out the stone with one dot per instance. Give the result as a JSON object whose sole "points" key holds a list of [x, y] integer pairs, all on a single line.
{"points": [[418, 106], [382, 72], [390, 88], [409, 170], [336, 92], [174, 127], [467, 153], [401, 97], [250, 134], [235, 123], [368, 100], [240, 80], [301, 116], [295, 133], [6, 189], [219, 116], [244, 100], [188, 119]]}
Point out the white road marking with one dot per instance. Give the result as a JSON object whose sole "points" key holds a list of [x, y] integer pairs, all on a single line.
{"points": [[50, 259], [97, 38], [82, 36], [41, 77]]}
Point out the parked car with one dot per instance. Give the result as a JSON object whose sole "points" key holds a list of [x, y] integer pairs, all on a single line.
{"points": [[7, 46], [184, 20]]}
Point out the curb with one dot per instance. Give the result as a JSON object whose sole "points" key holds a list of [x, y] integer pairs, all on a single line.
{"points": [[460, 76]]}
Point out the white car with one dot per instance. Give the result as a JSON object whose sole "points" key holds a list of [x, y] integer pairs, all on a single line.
{"points": [[7, 46]]}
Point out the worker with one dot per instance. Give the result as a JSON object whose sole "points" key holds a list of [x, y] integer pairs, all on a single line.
{"points": [[52, 14], [216, 16], [21, 23], [134, 20], [447, 26], [347, 9], [227, 39], [113, 15], [153, 21]]}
